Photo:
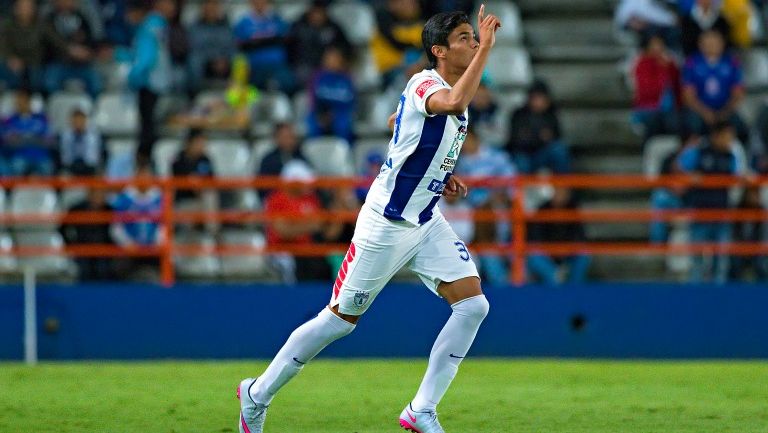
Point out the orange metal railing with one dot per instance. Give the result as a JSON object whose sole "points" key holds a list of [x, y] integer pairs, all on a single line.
{"points": [[517, 249]]}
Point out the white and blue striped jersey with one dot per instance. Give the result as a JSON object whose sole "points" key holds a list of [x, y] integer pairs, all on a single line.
{"points": [[421, 157]]}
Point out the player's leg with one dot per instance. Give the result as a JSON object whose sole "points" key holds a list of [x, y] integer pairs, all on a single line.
{"points": [[445, 266], [378, 250]]}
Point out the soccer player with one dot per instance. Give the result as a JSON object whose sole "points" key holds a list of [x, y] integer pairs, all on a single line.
{"points": [[400, 225]]}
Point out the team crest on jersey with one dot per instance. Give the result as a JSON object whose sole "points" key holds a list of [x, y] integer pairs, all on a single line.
{"points": [[449, 162], [360, 298], [423, 87]]}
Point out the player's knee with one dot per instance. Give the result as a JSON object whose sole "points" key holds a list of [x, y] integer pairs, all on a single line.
{"points": [[476, 307]]}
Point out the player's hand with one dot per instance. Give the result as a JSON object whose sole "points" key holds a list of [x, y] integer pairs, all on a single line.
{"points": [[455, 187], [486, 27], [391, 121]]}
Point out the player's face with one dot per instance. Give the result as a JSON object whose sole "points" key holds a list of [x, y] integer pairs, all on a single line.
{"points": [[462, 46]]}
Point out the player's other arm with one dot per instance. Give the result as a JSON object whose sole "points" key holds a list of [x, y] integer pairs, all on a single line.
{"points": [[456, 100]]}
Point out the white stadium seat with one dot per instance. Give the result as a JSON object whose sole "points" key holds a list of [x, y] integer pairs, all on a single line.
{"points": [[510, 67], [511, 33], [329, 156], [658, 148], [364, 147], [229, 157], [164, 153], [247, 264], [198, 266], [54, 264], [61, 105], [8, 262], [756, 68], [117, 114], [356, 18], [366, 74], [121, 158], [273, 107], [37, 201]]}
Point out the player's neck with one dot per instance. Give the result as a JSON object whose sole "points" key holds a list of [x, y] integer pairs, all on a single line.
{"points": [[450, 75]]}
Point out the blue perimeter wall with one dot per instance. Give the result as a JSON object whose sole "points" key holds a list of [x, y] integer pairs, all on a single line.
{"points": [[129, 321]]}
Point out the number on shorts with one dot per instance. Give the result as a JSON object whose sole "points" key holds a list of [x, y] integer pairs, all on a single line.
{"points": [[463, 253]]}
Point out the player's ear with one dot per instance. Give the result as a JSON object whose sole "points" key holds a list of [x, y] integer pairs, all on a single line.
{"points": [[439, 51]]}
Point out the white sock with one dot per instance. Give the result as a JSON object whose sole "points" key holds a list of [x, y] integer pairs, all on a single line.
{"points": [[303, 345], [450, 348]]}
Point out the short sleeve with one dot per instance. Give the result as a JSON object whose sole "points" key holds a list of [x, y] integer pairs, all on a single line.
{"points": [[420, 89]]}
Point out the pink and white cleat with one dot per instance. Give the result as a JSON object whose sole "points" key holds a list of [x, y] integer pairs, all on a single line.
{"points": [[420, 422], [252, 414]]}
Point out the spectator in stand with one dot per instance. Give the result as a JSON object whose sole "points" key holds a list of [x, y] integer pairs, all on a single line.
{"points": [[483, 110], [535, 140], [81, 146], [433, 7], [91, 268], [371, 168], [27, 144], [77, 62], [211, 46], [396, 44], [481, 160], [151, 71], [704, 16], [118, 30], [759, 150], [750, 231], [657, 89], [663, 198], [193, 162], [178, 43], [337, 231], [24, 41], [144, 202], [713, 88], [310, 37], [287, 148], [260, 34], [648, 17], [715, 155], [296, 201], [332, 98], [547, 269]]}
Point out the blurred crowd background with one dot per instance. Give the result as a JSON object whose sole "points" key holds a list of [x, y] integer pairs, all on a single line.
{"points": [[301, 89]]}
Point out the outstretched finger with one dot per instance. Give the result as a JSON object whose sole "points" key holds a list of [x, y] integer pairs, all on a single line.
{"points": [[481, 14]]}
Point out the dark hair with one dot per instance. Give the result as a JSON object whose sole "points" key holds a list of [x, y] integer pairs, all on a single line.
{"points": [[437, 29], [195, 133], [279, 126], [720, 126]]}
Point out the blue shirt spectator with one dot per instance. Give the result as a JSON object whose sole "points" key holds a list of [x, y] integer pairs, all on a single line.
{"points": [[260, 34], [151, 67], [479, 160], [26, 140], [332, 98], [713, 81], [143, 201]]}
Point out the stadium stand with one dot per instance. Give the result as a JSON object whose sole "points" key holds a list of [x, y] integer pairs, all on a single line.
{"points": [[573, 46]]}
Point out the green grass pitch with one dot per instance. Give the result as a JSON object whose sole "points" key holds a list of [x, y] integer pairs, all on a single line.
{"points": [[335, 396]]}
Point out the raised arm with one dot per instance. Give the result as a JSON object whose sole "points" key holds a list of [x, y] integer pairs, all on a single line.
{"points": [[456, 100]]}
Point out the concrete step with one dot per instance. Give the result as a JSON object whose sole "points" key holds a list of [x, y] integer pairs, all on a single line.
{"points": [[593, 84], [616, 164], [577, 54], [566, 7], [629, 268], [618, 231], [587, 127], [574, 32]]}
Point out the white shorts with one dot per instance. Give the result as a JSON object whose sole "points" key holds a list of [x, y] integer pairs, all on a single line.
{"points": [[380, 247]]}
